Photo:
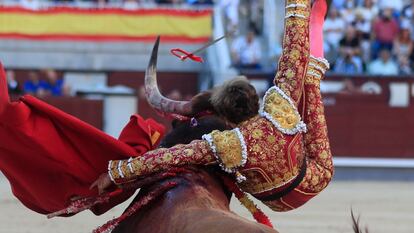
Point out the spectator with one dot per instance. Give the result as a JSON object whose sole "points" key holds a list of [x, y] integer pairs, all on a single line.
{"points": [[254, 13], [384, 65], [385, 30], [231, 11], [53, 85], [407, 20], [408, 11], [403, 45], [395, 5], [334, 29], [338, 4], [33, 84], [362, 26], [348, 11], [363, 30], [12, 85], [404, 66], [348, 65], [349, 61], [246, 51], [368, 10]]}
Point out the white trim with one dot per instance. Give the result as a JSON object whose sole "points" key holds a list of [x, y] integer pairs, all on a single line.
{"points": [[317, 67], [109, 171], [295, 15], [373, 162], [121, 174], [322, 60], [296, 5], [300, 126], [314, 73], [130, 165], [243, 146]]}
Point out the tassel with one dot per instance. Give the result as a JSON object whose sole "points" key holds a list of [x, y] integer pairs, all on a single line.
{"points": [[257, 213]]}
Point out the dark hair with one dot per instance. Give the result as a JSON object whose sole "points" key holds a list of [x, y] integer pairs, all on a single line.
{"points": [[235, 101]]}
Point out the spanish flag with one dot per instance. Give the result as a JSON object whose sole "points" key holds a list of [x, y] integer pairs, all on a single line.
{"points": [[64, 23]]}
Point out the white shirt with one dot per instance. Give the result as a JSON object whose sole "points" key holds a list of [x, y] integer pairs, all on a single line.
{"points": [[378, 67], [249, 53], [369, 13], [333, 38], [394, 4]]}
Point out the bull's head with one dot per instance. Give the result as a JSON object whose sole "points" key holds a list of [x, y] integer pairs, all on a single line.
{"points": [[235, 100]]}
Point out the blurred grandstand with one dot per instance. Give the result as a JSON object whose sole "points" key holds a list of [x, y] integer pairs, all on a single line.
{"points": [[89, 57]]}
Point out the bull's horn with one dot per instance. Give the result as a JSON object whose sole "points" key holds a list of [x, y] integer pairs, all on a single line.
{"points": [[154, 97]]}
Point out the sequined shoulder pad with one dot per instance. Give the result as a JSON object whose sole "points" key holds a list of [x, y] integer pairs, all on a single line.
{"points": [[279, 109]]}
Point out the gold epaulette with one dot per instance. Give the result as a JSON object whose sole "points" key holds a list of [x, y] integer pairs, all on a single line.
{"points": [[279, 109], [229, 149]]}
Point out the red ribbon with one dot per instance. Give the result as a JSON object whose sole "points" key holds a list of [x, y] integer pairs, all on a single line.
{"points": [[182, 54]]}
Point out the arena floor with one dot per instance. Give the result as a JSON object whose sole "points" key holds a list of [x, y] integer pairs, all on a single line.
{"points": [[384, 207]]}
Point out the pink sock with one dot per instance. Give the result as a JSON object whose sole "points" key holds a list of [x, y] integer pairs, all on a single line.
{"points": [[317, 19]]}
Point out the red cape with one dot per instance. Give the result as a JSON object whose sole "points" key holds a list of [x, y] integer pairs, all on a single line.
{"points": [[49, 156]]}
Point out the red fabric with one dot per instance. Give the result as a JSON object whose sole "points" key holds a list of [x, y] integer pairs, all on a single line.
{"points": [[49, 156]]}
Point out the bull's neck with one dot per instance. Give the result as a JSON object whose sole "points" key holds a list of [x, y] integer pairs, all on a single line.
{"points": [[199, 190]]}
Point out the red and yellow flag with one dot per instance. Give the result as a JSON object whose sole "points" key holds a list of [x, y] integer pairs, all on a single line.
{"points": [[106, 24]]}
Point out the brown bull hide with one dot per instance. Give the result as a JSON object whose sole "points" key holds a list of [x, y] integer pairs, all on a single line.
{"points": [[198, 204]]}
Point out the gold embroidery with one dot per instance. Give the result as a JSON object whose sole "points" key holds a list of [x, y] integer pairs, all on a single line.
{"points": [[197, 152], [228, 148], [319, 159], [281, 110], [267, 166]]}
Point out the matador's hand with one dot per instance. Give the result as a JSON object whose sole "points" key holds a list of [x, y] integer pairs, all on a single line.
{"points": [[102, 183]]}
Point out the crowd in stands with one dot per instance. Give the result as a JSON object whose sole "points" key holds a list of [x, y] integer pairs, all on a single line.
{"points": [[41, 84], [370, 36], [374, 37]]}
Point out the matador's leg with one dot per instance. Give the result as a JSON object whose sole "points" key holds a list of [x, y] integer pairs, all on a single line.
{"points": [[294, 59], [317, 150]]}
